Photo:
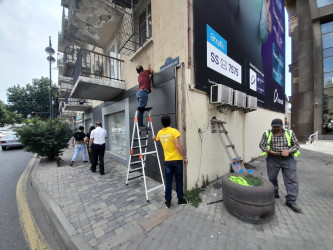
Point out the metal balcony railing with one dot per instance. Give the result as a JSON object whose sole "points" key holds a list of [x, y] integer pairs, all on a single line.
{"points": [[77, 101], [96, 65]]}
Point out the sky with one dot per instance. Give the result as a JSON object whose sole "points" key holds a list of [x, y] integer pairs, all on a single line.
{"points": [[25, 28]]}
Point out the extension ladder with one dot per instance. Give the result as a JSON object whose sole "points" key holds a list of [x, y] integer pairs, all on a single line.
{"points": [[140, 156], [236, 162]]}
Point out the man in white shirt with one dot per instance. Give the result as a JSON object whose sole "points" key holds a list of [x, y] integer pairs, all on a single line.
{"points": [[97, 147]]}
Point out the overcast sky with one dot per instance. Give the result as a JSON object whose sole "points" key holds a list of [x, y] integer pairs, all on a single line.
{"points": [[25, 28], [24, 34]]}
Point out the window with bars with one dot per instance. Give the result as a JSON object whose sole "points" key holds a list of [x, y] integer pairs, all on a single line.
{"points": [[145, 25]]}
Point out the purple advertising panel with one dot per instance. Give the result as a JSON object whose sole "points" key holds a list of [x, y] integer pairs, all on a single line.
{"points": [[241, 44]]}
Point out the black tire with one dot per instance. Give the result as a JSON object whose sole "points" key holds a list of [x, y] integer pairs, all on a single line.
{"points": [[4, 148], [251, 204]]}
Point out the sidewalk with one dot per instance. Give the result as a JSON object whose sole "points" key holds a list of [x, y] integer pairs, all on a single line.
{"points": [[100, 212]]}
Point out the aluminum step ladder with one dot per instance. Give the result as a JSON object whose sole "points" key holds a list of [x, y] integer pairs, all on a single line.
{"points": [[236, 162], [138, 153]]}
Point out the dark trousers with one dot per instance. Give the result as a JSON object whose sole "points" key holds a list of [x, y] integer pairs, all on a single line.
{"points": [[173, 168], [90, 154], [98, 152], [288, 167]]}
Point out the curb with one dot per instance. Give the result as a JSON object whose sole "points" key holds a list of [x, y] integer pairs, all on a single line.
{"points": [[71, 238]]}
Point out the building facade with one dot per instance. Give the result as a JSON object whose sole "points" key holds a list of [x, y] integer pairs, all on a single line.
{"points": [[311, 30], [103, 42]]}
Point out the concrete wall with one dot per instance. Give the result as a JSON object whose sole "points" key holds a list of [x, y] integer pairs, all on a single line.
{"points": [[169, 36], [205, 152]]}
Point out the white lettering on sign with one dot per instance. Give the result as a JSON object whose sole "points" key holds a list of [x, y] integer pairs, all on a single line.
{"points": [[276, 97], [221, 63]]}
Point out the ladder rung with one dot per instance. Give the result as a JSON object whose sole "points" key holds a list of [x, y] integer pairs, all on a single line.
{"points": [[146, 108], [230, 146], [136, 147], [223, 131], [149, 153], [152, 189], [217, 121], [135, 177], [134, 170], [143, 138], [136, 162], [144, 129]]}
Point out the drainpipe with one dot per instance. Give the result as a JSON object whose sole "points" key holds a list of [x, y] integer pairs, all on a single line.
{"points": [[189, 35]]}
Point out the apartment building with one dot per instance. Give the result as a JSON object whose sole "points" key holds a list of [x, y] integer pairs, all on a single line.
{"points": [[311, 30], [234, 46]]}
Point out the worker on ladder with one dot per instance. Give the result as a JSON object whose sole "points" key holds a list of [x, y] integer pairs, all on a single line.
{"points": [[144, 89], [174, 156]]}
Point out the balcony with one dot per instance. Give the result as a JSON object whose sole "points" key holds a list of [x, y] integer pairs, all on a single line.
{"points": [[97, 76], [65, 85], [66, 114], [75, 104], [90, 23], [69, 59], [63, 35]]}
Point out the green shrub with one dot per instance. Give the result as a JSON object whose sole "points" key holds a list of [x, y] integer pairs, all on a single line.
{"points": [[253, 181], [193, 196], [45, 138]]}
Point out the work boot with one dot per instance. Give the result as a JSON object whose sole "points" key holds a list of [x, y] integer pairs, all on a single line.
{"points": [[182, 201], [294, 207], [168, 204]]}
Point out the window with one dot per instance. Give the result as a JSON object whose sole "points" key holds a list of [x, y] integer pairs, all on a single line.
{"points": [[145, 25], [327, 40], [321, 3], [116, 133], [114, 65]]}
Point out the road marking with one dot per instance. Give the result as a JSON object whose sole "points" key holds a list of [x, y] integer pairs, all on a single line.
{"points": [[31, 231]]}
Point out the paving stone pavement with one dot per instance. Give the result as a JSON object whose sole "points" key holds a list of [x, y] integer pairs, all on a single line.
{"points": [[110, 215]]}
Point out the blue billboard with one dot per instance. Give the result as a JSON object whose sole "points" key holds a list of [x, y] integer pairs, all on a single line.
{"points": [[240, 44]]}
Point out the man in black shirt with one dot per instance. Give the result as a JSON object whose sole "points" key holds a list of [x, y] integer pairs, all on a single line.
{"points": [[78, 141]]}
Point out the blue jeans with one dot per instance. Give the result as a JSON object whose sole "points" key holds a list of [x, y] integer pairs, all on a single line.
{"points": [[142, 97], [78, 149], [173, 168]]}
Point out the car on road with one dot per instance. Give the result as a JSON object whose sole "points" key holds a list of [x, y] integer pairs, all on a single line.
{"points": [[10, 140]]}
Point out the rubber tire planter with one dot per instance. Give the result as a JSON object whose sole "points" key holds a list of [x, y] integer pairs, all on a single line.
{"points": [[254, 204]]}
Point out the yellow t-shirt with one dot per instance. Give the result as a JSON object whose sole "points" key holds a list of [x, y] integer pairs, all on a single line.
{"points": [[167, 137]]}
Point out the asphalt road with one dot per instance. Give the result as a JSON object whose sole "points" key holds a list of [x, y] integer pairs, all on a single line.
{"points": [[12, 164]]}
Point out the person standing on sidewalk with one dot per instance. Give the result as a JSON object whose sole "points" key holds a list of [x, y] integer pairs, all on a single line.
{"points": [[86, 140], [78, 142], [144, 89], [281, 146], [97, 147], [174, 156]]}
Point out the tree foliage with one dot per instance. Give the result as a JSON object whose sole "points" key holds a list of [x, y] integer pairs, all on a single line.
{"points": [[46, 138], [8, 117], [33, 97]]}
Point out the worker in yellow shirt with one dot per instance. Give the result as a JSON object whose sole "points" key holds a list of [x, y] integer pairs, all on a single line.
{"points": [[174, 156]]}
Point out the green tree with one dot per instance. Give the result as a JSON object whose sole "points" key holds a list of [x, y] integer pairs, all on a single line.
{"points": [[8, 117], [33, 97], [46, 138]]}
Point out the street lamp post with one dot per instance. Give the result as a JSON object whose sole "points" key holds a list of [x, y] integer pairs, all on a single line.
{"points": [[50, 51]]}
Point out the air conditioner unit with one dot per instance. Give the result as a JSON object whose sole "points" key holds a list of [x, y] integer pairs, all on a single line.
{"points": [[221, 94], [239, 99], [251, 102]]}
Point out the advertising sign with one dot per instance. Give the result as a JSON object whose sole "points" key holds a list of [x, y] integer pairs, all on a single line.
{"points": [[240, 44]]}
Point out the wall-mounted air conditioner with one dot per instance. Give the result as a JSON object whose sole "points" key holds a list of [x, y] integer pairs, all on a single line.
{"points": [[239, 99], [251, 102], [221, 94]]}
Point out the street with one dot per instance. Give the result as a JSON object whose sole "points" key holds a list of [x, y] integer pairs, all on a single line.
{"points": [[13, 163]]}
